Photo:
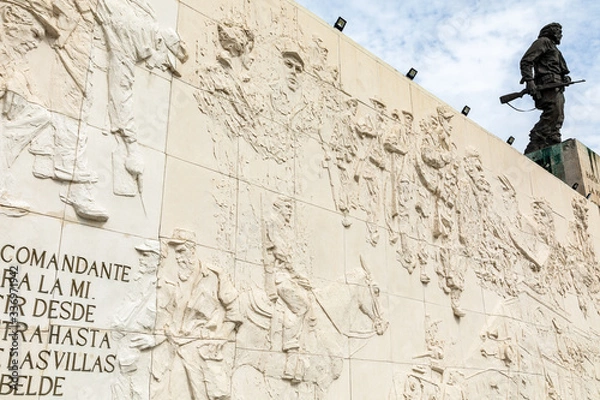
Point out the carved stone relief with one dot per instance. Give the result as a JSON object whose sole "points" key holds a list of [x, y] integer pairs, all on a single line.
{"points": [[57, 142], [257, 319], [293, 332]]}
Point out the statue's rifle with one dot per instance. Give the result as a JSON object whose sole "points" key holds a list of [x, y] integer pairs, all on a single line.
{"points": [[512, 96]]}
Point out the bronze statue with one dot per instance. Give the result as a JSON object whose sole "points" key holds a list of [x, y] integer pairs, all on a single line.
{"points": [[545, 72]]}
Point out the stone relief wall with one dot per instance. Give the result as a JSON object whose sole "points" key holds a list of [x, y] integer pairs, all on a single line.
{"points": [[234, 201]]}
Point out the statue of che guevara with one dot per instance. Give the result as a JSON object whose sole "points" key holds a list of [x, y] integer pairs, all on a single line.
{"points": [[543, 65]]}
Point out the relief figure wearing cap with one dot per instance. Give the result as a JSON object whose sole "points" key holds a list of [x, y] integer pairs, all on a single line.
{"points": [[134, 327], [202, 317], [285, 282]]}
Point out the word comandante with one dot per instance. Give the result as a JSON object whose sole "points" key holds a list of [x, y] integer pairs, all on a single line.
{"points": [[28, 256]]}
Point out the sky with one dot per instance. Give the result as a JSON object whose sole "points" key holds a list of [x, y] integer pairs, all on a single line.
{"points": [[467, 52]]}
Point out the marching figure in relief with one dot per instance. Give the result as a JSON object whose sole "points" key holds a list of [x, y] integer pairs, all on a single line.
{"points": [[134, 328], [54, 139], [58, 142], [203, 317], [284, 281], [132, 36]]}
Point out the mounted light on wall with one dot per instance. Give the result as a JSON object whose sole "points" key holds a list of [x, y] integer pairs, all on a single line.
{"points": [[510, 140], [588, 195], [465, 110], [575, 186], [411, 73], [340, 24]]}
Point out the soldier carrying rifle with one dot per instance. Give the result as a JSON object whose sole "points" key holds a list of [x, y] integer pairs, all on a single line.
{"points": [[545, 73]]}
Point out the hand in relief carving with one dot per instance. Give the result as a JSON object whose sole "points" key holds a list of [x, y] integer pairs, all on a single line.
{"points": [[143, 342]]}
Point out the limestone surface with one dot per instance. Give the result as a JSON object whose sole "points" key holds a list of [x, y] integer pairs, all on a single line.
{"points": [[232, 200]]}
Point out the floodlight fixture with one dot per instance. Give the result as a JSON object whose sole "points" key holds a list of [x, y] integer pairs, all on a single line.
{"points": [[510, 140], [340, 24], [465, 110], [588, 195], [411, 73], [575, 185]]}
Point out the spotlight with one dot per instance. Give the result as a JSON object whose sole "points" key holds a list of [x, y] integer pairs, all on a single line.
{"points": [[411, 73], [510, 140], [588, 195], [340, 24], [465, 110], [575, 185]]}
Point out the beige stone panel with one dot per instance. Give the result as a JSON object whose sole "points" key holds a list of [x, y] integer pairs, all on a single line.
{"points": [[28, 244], [265, 172], [457, 338], [32, 345], [376, 347], [341, 387], [210, 258], [577, 318], [380, 375], [95, 110], [519, 170], [407, 321], [321, 36], [265, 383], [425, 104], [52, 85], [471, 300], [26, 192], [254, 206], [563, 226], [394, 89], [272, 20], [81, 371], [508, 199], [492, 383], [165, 12], [468, 135], [498, 346], [138, 214], [107, 285], [325, 237], [215, 10], [399, 281], [594, 225], [374, 257], [317, 178], [201, 201], [556, 192], [359, 71], [196, 137], [495, 304], [248, 380], [199, 33], [151, 96], [250, 281]]}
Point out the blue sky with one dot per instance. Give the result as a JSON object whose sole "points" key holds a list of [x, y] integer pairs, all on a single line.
{"points": [[467, 52]]}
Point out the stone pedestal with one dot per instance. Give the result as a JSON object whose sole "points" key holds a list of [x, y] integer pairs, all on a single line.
{"points": [[573, 163]]}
